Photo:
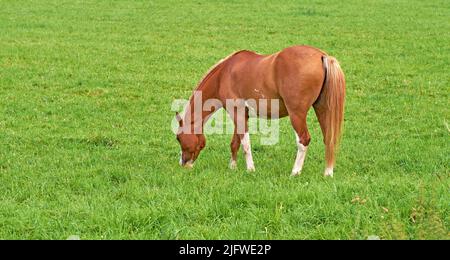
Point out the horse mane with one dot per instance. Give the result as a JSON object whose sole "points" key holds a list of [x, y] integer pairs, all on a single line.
{"points": [[214, 68], [208, 75]]}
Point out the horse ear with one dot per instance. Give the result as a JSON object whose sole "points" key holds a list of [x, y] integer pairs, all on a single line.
{"points": [[179, 119]]}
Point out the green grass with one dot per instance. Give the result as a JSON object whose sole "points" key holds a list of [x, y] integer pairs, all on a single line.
{"points": [[85, 142]]}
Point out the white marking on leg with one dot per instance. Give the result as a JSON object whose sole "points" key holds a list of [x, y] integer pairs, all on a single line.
{"points": [[233, 164], [328, 172], [300, 159], [248, 152]]}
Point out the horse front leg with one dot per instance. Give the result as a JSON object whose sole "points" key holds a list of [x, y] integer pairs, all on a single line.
{"points": [[241, 137], [235, 144], [242, 120], [245, 140]]}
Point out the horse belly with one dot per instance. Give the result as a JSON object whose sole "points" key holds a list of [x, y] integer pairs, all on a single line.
{"points": [[271, 108], [263, 101]]}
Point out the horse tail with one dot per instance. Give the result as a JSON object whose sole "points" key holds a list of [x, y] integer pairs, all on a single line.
{"points": [[330, 107]]}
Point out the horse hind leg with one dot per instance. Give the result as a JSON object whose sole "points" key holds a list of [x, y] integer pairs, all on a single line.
{"points": [[302, 139], [321, 111]]}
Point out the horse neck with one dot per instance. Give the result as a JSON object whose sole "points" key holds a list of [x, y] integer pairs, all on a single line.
{"points": [[196, 113]]}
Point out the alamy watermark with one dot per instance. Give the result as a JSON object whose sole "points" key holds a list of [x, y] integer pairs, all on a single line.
{"points": [[195, 113]]}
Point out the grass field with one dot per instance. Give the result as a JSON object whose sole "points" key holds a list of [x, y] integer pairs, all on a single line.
{"points": [[86, 149]]}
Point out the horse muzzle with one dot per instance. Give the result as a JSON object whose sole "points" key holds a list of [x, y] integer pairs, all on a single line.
{"points": [[189, 164]]}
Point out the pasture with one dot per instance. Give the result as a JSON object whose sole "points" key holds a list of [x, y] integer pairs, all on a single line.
{"points": [[86, 148]]}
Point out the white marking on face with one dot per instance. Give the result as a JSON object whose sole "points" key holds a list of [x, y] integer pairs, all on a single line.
{"points": [[300, 159], [328, 172], [248, 152], [188, 164]]}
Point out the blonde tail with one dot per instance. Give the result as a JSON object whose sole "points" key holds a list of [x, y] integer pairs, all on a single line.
{"points": [[332, 99]]}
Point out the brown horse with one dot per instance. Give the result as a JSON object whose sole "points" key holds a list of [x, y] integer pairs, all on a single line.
{"points": [[299, 77]]}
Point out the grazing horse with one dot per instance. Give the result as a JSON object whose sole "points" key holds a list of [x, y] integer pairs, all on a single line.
{"points": [[299, 77]]}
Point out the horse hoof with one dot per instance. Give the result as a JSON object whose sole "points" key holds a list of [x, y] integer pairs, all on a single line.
{"points": [[233, 165], [251, 169], [328, 172], [294, 174], [188, 166]]}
